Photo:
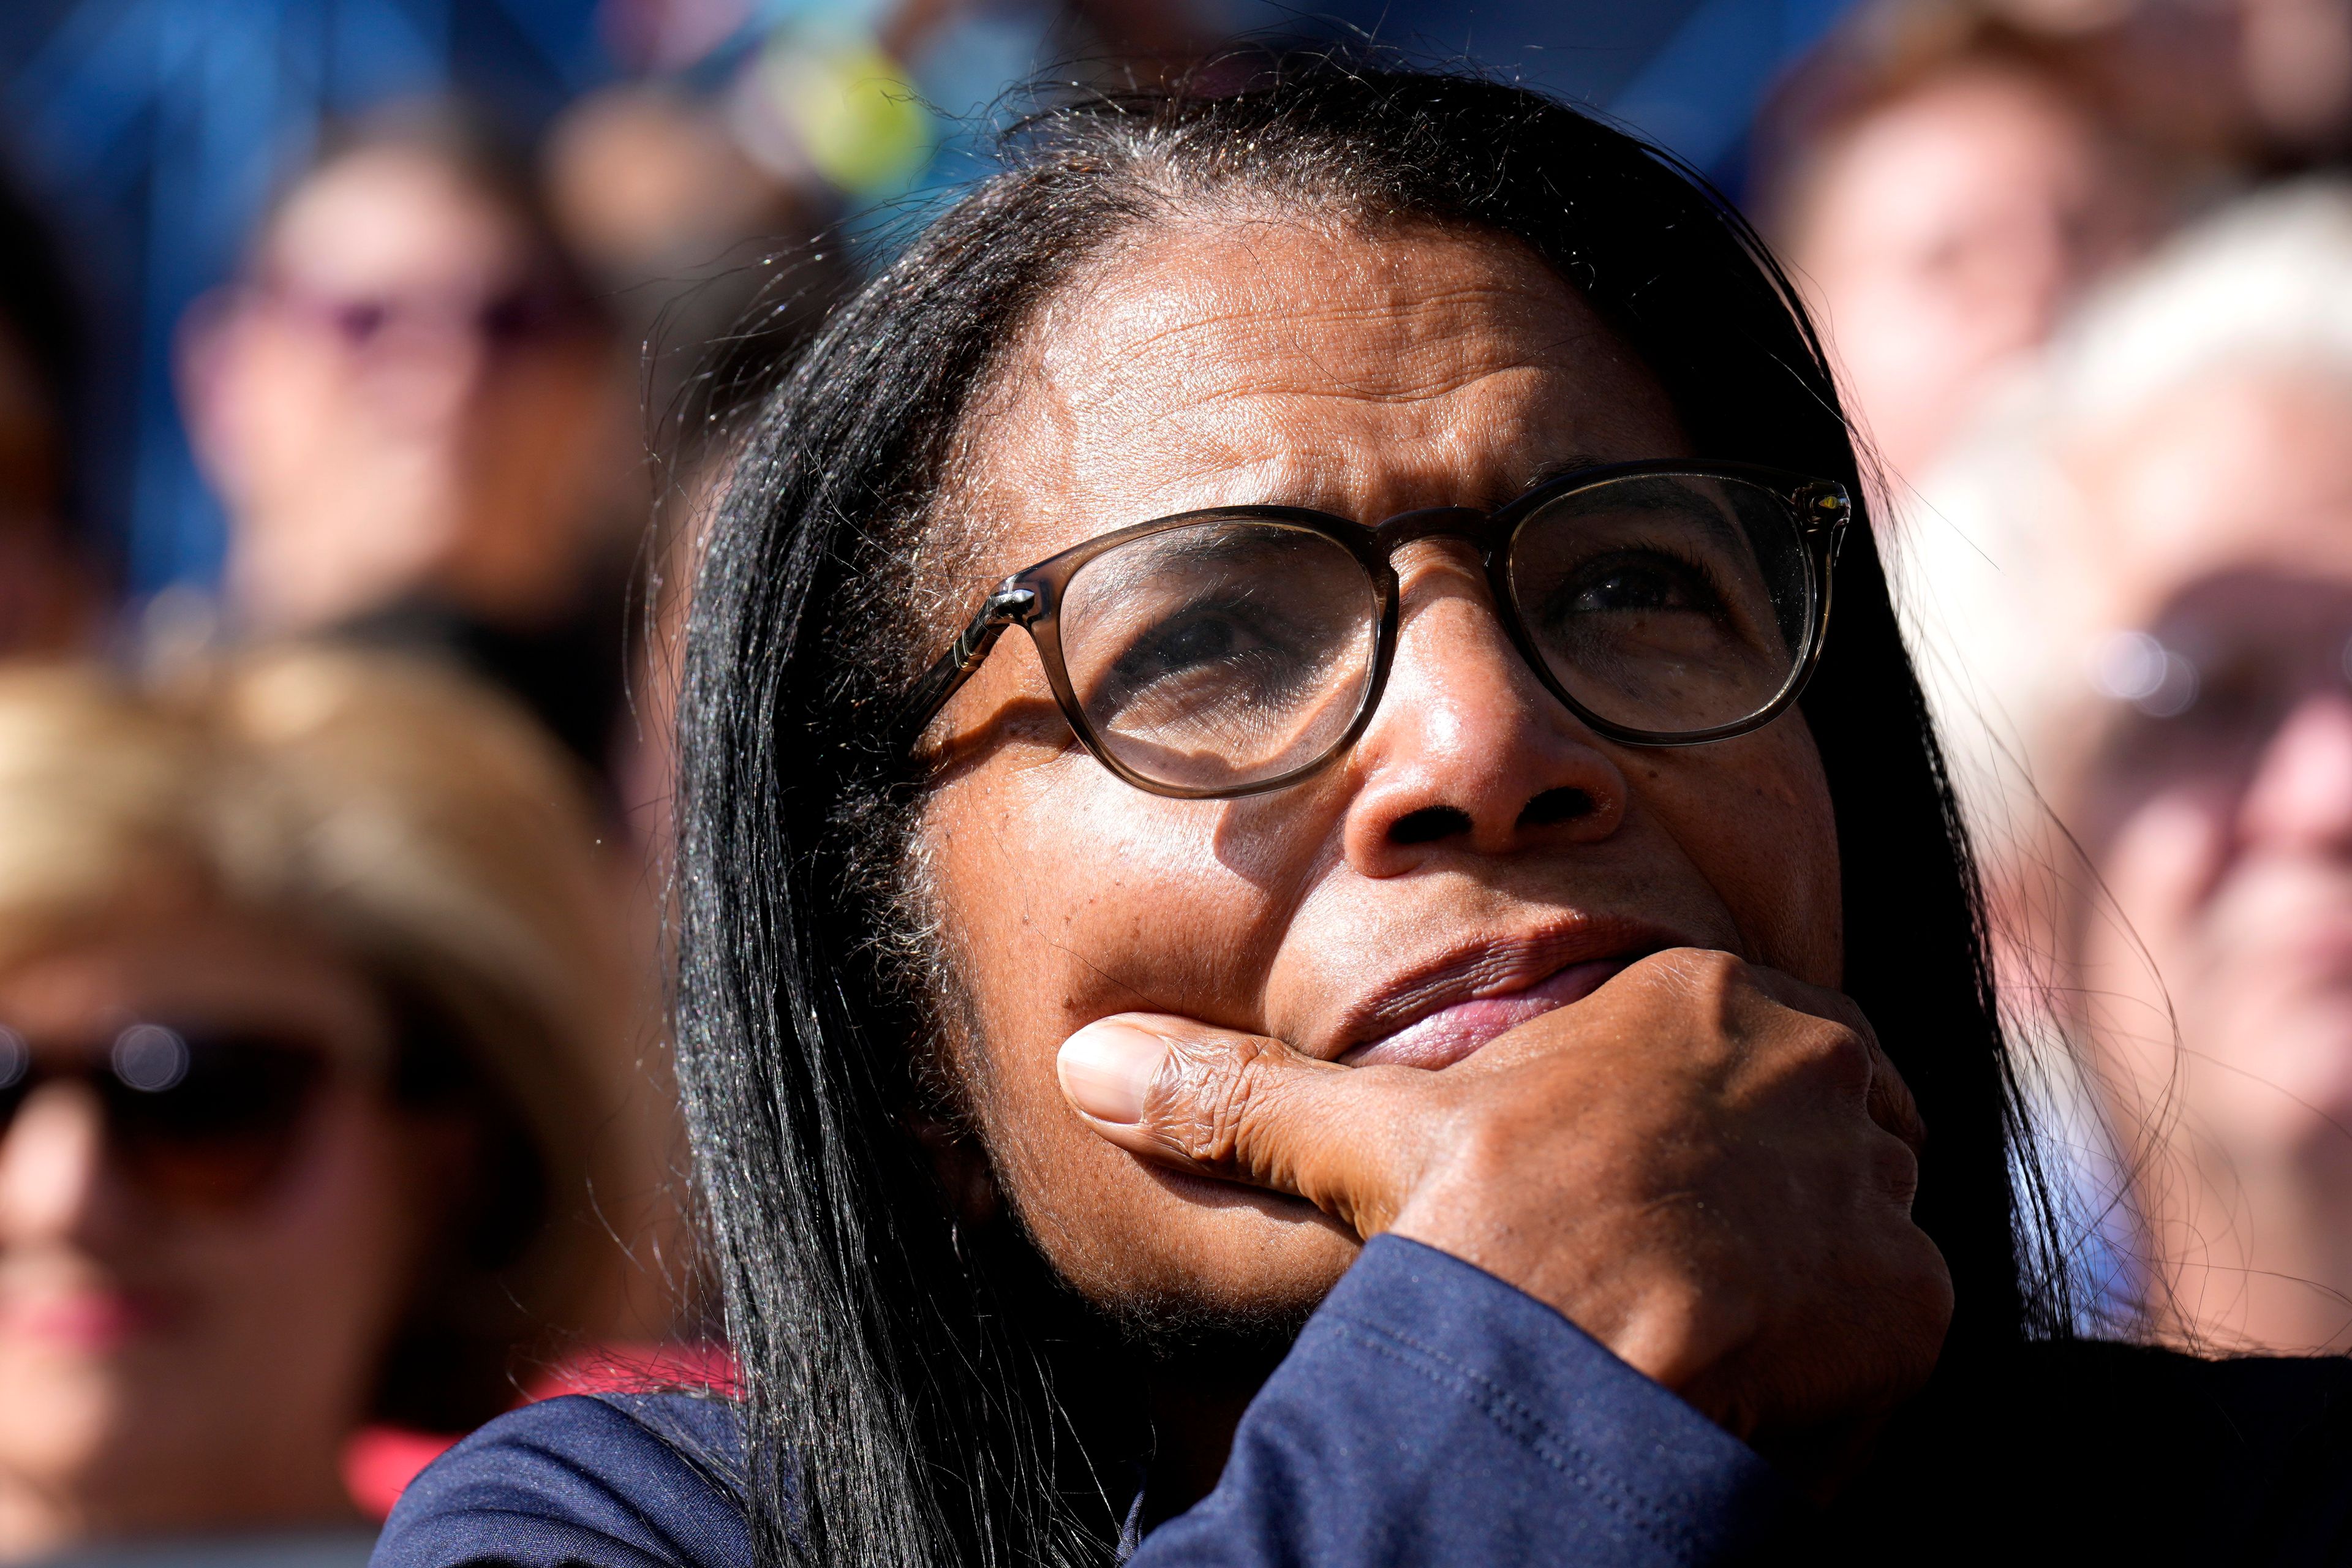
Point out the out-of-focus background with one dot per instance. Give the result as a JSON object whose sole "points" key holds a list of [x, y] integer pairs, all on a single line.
{"points": [[356, 383], [153, 132]]}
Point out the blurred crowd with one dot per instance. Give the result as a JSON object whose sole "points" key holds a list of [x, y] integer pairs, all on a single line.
{"points": [[332, 1107], [2086, 266], [335, 1108]]}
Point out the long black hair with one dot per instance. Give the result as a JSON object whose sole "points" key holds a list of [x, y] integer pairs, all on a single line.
{"points": [[896, 1410]]}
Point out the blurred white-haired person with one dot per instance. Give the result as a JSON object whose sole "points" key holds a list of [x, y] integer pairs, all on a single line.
{"points": [[317, 1099], [2132, 586]]}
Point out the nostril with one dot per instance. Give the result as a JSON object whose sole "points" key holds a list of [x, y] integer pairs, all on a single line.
{"points": [[1556, 805], [1429, 823]]}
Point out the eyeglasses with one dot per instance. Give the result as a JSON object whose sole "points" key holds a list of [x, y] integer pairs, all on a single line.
{"points": [[199, 1120], [1235, 650], [2206, 694]]}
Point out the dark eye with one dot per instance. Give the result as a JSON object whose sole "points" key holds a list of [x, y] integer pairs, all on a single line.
{"points": [[1637, 582], [1219, 637], [1222, 651], [1196, 640]]}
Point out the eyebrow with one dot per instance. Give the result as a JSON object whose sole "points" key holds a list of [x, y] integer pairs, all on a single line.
{"points": [[1575, 463], [1210, 541]]}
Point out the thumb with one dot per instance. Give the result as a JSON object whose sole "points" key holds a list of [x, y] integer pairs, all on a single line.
{"points": [[1247, 1108]]}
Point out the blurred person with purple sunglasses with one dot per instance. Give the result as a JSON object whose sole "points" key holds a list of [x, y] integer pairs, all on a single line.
{"points": [[419, 421], [2134, 585], [317, 1104]]}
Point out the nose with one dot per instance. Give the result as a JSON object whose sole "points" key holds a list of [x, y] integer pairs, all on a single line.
{"points": [[439, 378], [2301, 794], [52, 1165], [1469, 752]]}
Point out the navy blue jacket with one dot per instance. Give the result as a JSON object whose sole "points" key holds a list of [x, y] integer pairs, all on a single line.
{"points": [[1431, 1414]]}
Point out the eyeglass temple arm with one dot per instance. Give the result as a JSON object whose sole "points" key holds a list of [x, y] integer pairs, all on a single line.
{"points": [[1005, 607]]}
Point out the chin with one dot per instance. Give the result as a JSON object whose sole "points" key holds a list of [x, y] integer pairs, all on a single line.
{"points": [[1207, 1261], [61, 1426]]}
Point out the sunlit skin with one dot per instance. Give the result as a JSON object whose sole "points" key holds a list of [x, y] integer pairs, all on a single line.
{"points": [[428, 460], [2222, 515], [1223, 361], [165, 1371]]}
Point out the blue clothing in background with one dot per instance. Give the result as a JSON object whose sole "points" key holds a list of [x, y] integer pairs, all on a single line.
{"points": [[1431, 1414]]}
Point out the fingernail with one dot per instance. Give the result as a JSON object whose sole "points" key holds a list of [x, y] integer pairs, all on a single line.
{"points": [[1107, 1068]]}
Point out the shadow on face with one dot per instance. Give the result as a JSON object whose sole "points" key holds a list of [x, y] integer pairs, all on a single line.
{"points": [[1476, 857]]}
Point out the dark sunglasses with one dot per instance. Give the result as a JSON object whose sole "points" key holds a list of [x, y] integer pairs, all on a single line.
{"points": [[511, 320], [201, 1121], [1234, 651]]}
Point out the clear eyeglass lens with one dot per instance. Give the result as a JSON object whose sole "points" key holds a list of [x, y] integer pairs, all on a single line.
{"points": [[1221, 654], [1666, 605]]}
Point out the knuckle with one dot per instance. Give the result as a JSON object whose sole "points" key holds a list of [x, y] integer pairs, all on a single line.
{"points": [[1708, 989], [1833, 1056], [1208, 1098], [1719, 967], [1900, 1113], [1895, 1170], [1677, 968], [1843, 1009], [1923, 1289]]}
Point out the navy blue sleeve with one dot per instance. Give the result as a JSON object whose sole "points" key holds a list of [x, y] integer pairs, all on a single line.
{"points": [[616, 1481], [1430, 1413]]}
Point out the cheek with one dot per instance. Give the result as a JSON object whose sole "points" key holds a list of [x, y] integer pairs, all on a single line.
{"points": [[294, 389], [1754, 816], [313, 1279], [1074, 896], [2156, 867], [2158, 856], [1070, 897], [279, 1315]]}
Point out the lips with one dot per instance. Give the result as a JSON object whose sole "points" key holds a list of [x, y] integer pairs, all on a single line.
{"points": [[1440, 1012], [1450, 1033], [88, 1321]]}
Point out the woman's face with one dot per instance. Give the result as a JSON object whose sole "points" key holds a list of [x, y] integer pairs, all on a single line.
{"points": [[181, 1346], [395, 407], [2218, 808], [1947, 235], [1438, 883]]}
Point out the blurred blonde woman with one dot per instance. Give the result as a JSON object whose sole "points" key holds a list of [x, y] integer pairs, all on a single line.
{"points": [[317, 1102]]}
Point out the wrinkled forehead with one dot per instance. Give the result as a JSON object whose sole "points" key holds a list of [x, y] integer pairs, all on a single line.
{"points": [[1299, 363]]}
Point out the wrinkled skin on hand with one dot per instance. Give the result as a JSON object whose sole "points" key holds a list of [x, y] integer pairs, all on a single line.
{"points": [[1706, 1165]]}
